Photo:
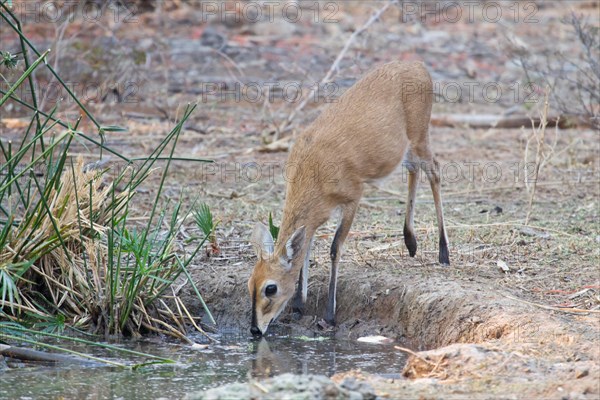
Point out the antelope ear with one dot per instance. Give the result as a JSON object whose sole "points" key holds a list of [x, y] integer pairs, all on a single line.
{"points": [[262, 240], [294, 245]]}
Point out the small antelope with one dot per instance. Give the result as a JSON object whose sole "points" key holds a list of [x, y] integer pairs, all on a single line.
{"points": [[380, 121]]}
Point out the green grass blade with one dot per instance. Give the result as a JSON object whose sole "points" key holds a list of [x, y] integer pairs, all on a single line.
{"points": [[24, 76], [187, 274]]}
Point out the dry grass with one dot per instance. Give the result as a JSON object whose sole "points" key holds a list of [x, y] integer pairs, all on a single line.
{"points": [[68, 253], [72, 268], [58, 272]]}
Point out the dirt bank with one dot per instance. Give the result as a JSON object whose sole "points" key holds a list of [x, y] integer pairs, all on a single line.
{"points": [[485, 343]]}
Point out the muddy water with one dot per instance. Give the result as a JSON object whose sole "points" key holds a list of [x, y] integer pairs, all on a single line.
{"points": [[232, 360]]}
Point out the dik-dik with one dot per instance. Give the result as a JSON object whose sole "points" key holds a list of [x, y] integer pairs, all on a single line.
{"points": [[380, 121]]}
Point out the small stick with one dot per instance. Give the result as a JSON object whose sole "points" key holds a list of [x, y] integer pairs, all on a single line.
{"points": [[514, 187], [438, 363], [198, 328], [170, 313], [334, 66], [25, 354], [412, 353], [514, 224], [540, 135], [237, 67], [6, 303], [260, 386], [565, 310], [170, 330]]}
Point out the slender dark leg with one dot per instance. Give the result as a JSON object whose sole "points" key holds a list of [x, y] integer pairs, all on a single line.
{"points": [[409, 231], [302, 288], [431, 168], [348, 212]]}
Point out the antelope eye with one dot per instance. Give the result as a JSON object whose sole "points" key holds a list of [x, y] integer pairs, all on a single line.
{"points": [[270, 290]]}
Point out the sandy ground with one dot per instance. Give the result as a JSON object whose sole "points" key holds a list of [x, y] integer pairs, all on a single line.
{"points": [[514, 316]]}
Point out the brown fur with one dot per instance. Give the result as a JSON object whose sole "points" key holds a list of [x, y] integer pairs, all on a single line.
{"points": [[364, 136]]}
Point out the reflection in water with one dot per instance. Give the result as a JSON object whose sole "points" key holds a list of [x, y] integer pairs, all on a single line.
{"points": [[265, 363], [235, 359], [322, 356]]}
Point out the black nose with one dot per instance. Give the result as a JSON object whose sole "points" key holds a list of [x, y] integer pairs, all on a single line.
{"points": [[255, 331]]}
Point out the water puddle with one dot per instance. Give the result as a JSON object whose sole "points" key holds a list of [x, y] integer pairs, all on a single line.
{"points": [[233, 360]]}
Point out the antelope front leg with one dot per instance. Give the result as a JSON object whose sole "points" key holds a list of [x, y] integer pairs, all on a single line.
{"points": [[299, 300], [348, 212]]}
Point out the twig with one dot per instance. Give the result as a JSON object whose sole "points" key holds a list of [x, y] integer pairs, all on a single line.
{"points": [[198, 328], [170, 313], [545, 307], [513, 187], [516, 224], [6, 303], [172, 331], [260, 386], [412, 353], [334, 67], [237, 67], [540, 134], [25, 354], [437, 364]]}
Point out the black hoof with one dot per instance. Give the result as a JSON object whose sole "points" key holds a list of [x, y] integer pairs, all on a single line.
{"points": [[329, 320], [297, 313], [444, 254], [410, 241]]}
